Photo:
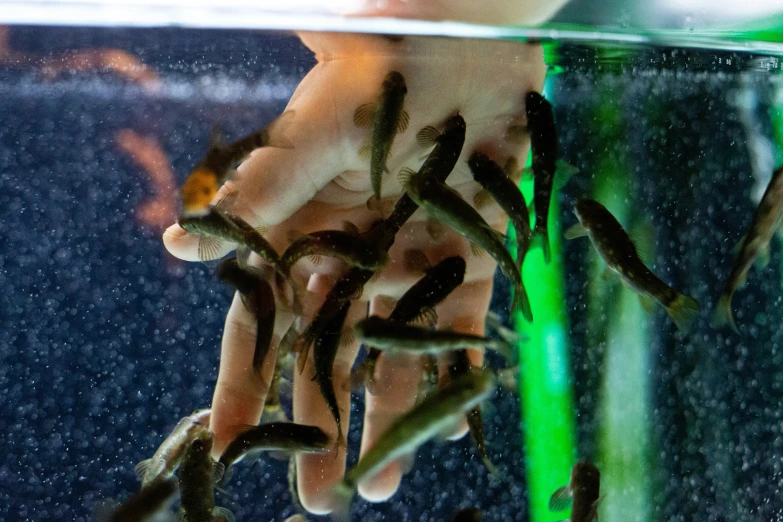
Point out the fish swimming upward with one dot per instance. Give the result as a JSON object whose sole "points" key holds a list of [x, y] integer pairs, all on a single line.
{"points": [[582, 493], [766, 221], [618, 251]]}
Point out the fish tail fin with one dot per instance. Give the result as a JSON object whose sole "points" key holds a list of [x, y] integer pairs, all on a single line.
{"points": [[683, 311], [722, 315], [541, 238], [342, 495], [522, 303]]}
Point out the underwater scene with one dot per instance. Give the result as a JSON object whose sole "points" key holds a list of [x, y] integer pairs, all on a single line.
{"points": [[268, 275]]}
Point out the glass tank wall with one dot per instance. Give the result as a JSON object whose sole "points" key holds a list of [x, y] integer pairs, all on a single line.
{"points": [[108, 339]]}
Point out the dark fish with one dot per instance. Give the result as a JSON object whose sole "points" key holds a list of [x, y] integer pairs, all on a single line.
{"points": [[618, 251], [439, 164], [258, 298], [205, 179], [197, 477], [324, 352], [346, 246], [214, 227], [459, 366], [766, 221], [420, 299], [387, 118], [432, 416], [505, 192], [445, 204], [582, 493], [147, 503], [286, 437], [393, 337], [543, 143], [169, 454]]}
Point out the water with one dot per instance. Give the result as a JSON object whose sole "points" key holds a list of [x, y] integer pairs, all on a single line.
{"points": [[109, 340]]}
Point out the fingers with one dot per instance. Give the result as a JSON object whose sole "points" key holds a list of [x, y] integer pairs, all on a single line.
{"points": [[465, 311], [240, 393], [397, 383], [318, 473]]}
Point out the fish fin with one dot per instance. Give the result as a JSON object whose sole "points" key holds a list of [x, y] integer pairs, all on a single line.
{"points": [[208, 247], [508, 378], [435, 229], [563, 174], [427, 137], [221, 513], [505, 333], [142, 468], [278, 129], [476, 250], [647, 302], [365, 151], [347, 337], [517, 134], [415, 260], [522, 302], [402, 125], [722, 315], [363, 115], [429, 316], [763, 259], [342, 494], [481, 199], [561, 499], [404, 176], [356, 294], [228, 200], [575, 231], [218, 468], [683, 311], [315, 259], [350, 227]]}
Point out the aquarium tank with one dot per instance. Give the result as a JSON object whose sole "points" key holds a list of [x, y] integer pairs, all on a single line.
{"points": [[391, 260]]}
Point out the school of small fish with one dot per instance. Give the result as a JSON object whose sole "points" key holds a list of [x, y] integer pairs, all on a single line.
{"points": [[410, 326]]}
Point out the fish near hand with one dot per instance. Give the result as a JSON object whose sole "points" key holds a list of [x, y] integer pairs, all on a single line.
{"points": [[322, 181]]}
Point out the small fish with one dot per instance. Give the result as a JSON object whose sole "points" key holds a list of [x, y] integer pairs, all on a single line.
{"points": [[169, 454], [618, 251], [324, 352], [505, 192], [197, 477], [420, 300], [543, 143], [258, 298], [755, 244], [444, 203], [144, 505], [435, 415], [582, 493], [286, 437], [394, 337], [387, 118], [206, 178], [214, 227], [459, 366], [348, 246]]}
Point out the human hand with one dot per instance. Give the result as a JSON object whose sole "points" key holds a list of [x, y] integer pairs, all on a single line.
{"points": [[322, 181]]}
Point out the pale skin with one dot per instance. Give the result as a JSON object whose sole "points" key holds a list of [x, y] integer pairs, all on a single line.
{"points": [[323, 181]]}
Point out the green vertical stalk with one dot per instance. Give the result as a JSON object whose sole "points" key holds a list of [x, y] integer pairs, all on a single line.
{"points": [[624, 400], [545, 377]]}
